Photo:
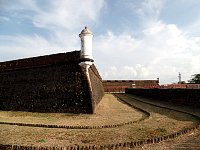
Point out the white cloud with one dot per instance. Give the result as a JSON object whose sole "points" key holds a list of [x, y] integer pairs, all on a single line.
{"points": [[114, 72], [148, 10], [193, 28], [15, 47], [60, 14], [162, 51], [4, 19], [62, 19], [159, 49], [115, 44]]}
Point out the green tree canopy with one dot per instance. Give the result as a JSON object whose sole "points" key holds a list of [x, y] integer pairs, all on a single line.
{"points": [[182, 82], [195, 79]]}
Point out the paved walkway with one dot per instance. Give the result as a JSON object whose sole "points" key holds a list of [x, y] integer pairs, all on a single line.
{"points": [[189, 141]]}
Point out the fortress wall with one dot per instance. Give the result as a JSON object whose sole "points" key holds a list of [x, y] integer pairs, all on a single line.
{"points": [[96, 86], [54, 83], [34, 62], [121, 85], [189, 97], [129, 83]]}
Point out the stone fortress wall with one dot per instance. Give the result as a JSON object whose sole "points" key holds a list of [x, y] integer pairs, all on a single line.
{"points": [[52, 83], [96, 86]]}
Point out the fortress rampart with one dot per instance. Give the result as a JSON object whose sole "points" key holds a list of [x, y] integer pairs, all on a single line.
{"points": [[188, 97], [121, 85], [52, 83]]}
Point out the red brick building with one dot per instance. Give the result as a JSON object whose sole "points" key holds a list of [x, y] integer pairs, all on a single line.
{"points": [[121, 85]]}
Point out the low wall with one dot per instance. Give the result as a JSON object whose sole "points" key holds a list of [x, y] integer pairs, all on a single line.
{"points": [[115, 89], [53, 83], [40, 61], [189, 97], [113, 86], [180, 86]]}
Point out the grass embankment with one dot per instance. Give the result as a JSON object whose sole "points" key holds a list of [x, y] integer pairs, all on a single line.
{"points": [[109, 111], [161, 122]]}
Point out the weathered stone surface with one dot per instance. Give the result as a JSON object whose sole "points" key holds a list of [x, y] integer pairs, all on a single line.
{"points": [[54, 83], [96, 86]]}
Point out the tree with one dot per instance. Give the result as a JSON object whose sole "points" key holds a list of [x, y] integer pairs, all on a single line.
{"points": [[182, 82], [195, 79]]}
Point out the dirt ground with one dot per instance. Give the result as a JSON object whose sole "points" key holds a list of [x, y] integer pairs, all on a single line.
{"points": [[190, 141], [161, 122]]}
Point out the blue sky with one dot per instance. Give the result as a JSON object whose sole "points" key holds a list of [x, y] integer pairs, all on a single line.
{"points": [[133, 39]]}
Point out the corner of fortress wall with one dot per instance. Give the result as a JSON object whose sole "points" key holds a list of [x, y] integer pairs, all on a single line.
{"points": [[53, 83], [96, 87]]}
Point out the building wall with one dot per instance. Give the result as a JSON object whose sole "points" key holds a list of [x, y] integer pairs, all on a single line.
{"points": [[54, 83], [121, 85], [181, 86]]}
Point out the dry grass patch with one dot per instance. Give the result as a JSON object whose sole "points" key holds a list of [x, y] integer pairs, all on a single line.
{"points": [[161, 122], [109, 111]]}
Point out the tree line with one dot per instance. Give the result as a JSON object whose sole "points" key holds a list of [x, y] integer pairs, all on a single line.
{"points": [[195, 79]]}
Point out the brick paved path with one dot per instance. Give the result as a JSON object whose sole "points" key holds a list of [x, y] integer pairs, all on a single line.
{"points": [[190, 141]]}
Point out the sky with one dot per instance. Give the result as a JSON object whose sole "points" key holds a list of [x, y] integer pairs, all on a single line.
{"points": [[133, 39]]}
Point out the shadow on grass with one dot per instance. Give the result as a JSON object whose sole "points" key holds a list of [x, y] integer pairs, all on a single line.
{"points": [[151, 108]]}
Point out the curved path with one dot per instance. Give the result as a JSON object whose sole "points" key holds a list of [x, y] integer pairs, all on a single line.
{"points": [[190, 141]]}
